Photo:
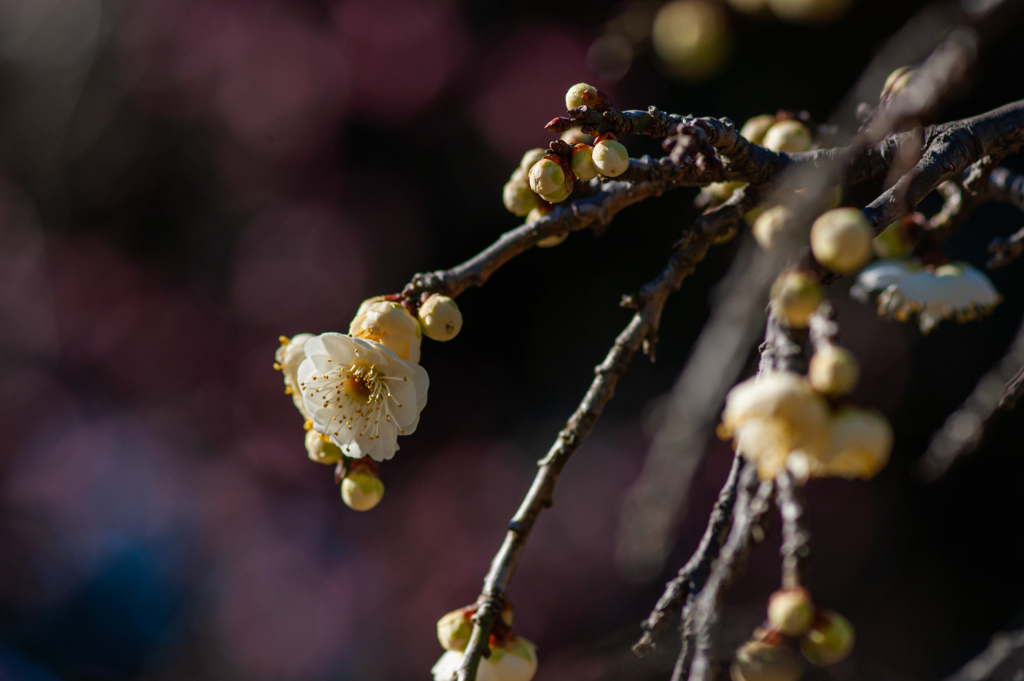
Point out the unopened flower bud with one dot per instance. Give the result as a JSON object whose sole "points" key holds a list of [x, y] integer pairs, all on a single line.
{"points": [[441, 318], [320, 449], [560, 194], [757, 661], [516, 661], [791, 611], [859, 445], [723, 191], [833, 370], [841, 240], [893, 242], [391, 325], [691, 37], [518, 198], [547, 178], [770, 225], [829, 640], [755, 129], [530, 158], [361, 490], [583, 162], [897, 82], [790, 136], [575, 136], [795, 297], [610, 157], [580, 94], [454, 629]]}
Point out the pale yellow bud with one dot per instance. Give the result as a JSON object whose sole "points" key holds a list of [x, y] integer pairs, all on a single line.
{"points": [[391, 325], [530, 158], [833, 370], [441, 318], [322, 450], [575, 136], [691, 37], [795, 297], [841, 240], [790, 136], [791, 611], [610, 158], [361, 491], [580, 94], [770, 225], [583, 163], [723, 191], [859, 445], [829, 640], [547, 177], [755, 129], [518, 198], [559, 195], [454, 629], [757, 661]]}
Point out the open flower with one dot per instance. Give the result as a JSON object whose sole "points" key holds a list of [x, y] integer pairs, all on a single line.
{"points": [[956, 291], [287, 360], [360, 394], [515, 662], [772, 416]]}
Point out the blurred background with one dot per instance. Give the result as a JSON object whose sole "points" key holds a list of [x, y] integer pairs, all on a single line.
{"points": [[182, 181]]}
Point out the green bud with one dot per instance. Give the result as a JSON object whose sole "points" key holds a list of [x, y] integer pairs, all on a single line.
{"points": [[454, 629], [829, 640], [583, 162], [320, 449], [791, 611], [530, 158], [361, 490], [559, 195], [518, 198], [610, 157], [547, 177], [580, 94], [790, 136], [757, 661]]}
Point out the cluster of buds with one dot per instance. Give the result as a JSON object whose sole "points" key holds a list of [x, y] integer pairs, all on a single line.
{"points": [[804, 424], [510, 658], [547, 177], [933, 292], [824, 637], [359, 391]]}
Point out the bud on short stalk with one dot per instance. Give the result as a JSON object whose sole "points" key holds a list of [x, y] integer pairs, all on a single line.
{"points": [[610, 157], [441, 318], [829, 640], [361, 490], [791, 611], [583, 162]]}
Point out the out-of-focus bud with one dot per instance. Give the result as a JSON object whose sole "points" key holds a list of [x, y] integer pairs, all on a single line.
{"points": [[757, 661], [287, 360], [790, 136], [441, 318], [320, 449], [530, 158], [829, 640], [841, 240], [518, 198], [547, 178], [575, 136], [552, 241], [454, 629], [723, 191], [859, 445], [755, 129], [361, 490], [809, 11], [391, 325], [769, 226], [893, 242], [795, 296], [691, 37], [580, 94], [610, 157], [748, 6], [791, 611], [897, 82], [583, 162], [833, 370]]}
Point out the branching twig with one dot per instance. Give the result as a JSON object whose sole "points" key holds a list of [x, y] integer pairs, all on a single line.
{"points": [[643, 327]]}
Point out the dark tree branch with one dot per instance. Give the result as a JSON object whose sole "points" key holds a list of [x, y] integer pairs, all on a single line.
{"points": [[693, 575], [642, 328]]}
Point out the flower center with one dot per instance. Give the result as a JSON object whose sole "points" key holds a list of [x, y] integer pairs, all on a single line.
{"points": [[358, 385]]}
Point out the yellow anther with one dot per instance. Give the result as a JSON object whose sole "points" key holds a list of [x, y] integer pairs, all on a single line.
{"points": [[284, 340], [308, 425]]}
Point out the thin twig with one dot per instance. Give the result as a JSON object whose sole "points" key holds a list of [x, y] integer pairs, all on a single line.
{"points": [[693, 575], [642, 328], [1003, 645], [796, 539]]}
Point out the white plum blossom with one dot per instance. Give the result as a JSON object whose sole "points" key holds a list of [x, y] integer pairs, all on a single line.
{"points": [[390, 324], [361, 394], [955, 291], [772, 416], [516, 662]]}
